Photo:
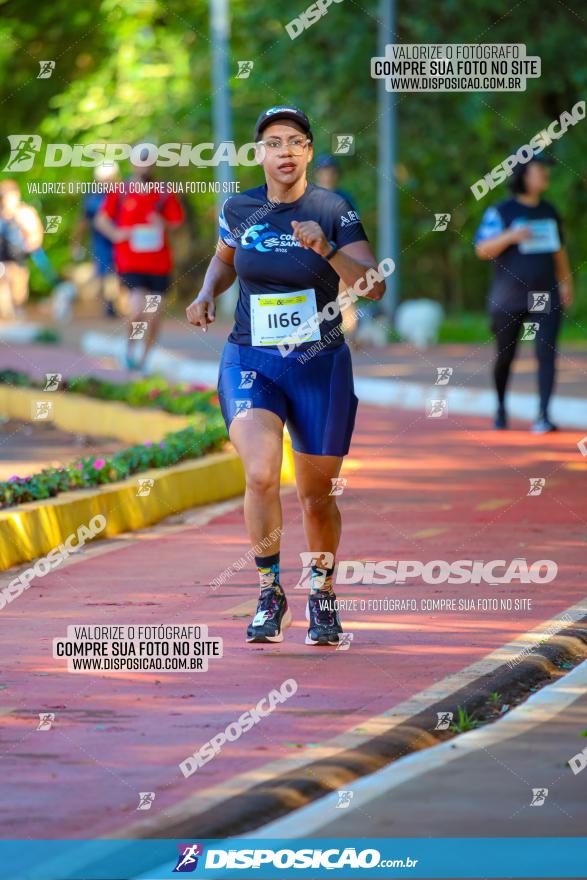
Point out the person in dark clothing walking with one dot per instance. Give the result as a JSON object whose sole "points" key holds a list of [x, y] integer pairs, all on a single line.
{"points": [[532, 283]]}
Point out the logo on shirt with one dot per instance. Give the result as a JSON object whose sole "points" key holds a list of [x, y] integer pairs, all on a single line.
{"points": [[349, 218], [255, 238]]}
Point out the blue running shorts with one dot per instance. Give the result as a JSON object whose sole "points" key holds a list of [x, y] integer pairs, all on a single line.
{"points": [[314, 396]]}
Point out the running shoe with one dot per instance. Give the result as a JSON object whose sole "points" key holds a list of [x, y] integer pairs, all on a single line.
{"points": [[271, 617], [323, 618], [144, 368], [500, 422], [543, 426], [129, 362]]}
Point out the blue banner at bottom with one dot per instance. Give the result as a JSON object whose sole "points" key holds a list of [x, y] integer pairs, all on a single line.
{"points": [[307, 859]]}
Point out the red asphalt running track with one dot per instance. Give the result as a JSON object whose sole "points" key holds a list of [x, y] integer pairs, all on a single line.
{"points": [[418, 489]]}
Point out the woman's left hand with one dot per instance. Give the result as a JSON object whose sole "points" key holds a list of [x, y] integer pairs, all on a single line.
{"points": [[310, 236], [566, 294], [155, 219]]}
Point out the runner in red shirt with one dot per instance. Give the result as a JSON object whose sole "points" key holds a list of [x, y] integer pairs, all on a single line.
{"points": [[137, 223]]}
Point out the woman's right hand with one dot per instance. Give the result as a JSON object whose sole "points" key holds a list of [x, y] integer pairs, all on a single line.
{"points": [[202, 311], [520, 233], [121, 233]]}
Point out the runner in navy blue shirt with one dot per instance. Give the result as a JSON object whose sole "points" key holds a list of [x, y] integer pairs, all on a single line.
{"points": [[269, 257], [289, 243], [327, 173], [523, 236]]}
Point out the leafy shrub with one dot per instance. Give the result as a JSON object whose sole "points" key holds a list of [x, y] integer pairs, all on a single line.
{"points": [[205, 434], [154, 392], [96, 470]]}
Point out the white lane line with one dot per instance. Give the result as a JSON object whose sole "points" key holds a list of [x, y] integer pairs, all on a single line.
{"points": [[205, 799], [173, 366], [568, 412], [538, 709]]}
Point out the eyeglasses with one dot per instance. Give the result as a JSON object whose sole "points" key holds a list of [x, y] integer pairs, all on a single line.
{"points": [[295, 145]]}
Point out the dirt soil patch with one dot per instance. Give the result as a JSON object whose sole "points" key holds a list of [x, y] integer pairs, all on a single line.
{"points": [[28, 447]]}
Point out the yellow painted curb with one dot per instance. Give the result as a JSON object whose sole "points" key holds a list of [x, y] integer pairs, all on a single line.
{"points": [[32, 530], [108, 418], [100, 418]]}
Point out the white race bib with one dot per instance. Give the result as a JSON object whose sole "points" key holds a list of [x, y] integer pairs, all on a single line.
{"points": [[283, 318], [545, 238], [146, 238]]}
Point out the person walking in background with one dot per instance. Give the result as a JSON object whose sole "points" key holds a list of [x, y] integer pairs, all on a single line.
{"points": [[101, 248], [137, 223], [21, 233], [327, 175], [532, 282]]}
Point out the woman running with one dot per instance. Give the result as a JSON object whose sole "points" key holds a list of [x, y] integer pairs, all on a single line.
{"points": [[286, 361], [532, 281]]}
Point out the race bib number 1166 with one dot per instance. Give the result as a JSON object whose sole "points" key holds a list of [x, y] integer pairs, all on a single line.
{"points": [[277, 317]]}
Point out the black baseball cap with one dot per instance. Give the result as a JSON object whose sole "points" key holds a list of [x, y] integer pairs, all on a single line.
{"points": [[272, 114], [544, 158]]}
